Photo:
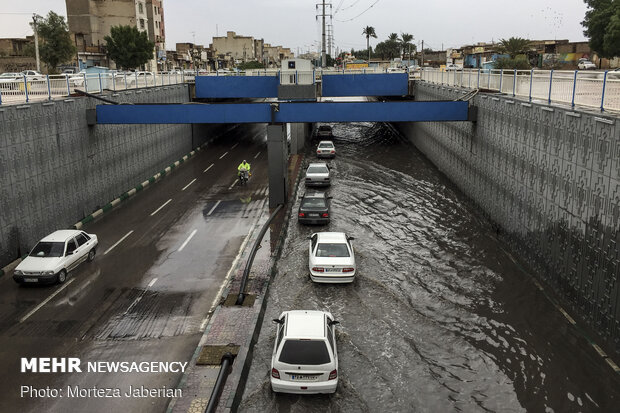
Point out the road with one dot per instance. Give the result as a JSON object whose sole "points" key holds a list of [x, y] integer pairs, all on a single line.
{"points": [[162, 259], [441, 317]]}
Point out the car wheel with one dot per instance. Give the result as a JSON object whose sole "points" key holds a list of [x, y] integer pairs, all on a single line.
{"points": [[61, 277], [91, 255]]}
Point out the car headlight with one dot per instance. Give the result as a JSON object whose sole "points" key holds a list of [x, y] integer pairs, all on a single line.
{"points": [[49, 273], [18, 272]]}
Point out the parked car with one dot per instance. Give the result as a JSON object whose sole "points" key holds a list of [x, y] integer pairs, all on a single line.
{"points": [[324, 131], [585, 64], [33, 75], [55, 256], [331, 258], [314, 208], [453, 67], [10, 77], [305, 357], [326, 149], [135, 79], [318, 174]]}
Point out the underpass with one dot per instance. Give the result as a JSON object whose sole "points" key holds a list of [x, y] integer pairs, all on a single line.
{"points": [[442, 316], [161, 263]]}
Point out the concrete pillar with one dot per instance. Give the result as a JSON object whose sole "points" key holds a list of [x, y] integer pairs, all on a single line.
{"points": [[277, 158], [300, 132]]}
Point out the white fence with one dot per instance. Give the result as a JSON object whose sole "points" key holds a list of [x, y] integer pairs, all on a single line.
{"points": [[594, 89]]}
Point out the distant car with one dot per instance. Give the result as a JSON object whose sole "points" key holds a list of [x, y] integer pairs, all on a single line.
{"points": [[314, 208], [453, 67], [331, 258], [326, 149], [305, 357], [324, 131], [586, 65], [55, 256], [413, 68], [11, 77], [33, 75], [318, 174], [613, 74]]}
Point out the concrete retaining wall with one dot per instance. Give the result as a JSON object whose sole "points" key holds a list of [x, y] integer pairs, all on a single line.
{"points": [[55, 169], [550, 178]]}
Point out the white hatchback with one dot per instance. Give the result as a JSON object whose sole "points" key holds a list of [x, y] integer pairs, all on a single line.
{"points": [[331, 258], [55, 255], [305, 359]]}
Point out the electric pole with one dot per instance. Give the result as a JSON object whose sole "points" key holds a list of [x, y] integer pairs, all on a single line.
{"points": [[323, 49], [422, 64], [36, 42]]}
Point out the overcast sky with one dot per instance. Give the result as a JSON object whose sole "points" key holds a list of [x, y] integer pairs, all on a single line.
{"points": [[292, 23]]}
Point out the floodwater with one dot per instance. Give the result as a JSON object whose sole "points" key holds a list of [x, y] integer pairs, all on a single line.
{"points": [[441, 317]]}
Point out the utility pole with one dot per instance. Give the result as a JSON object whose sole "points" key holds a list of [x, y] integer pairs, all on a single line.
{"points": [[323, 46], [36, 42], [422, 63]]}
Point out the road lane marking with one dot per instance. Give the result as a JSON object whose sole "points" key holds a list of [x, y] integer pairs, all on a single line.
{"points": [[204, 323], [118, 242], [34, 310], [225, 153], [187, 240], [138, 298], [210, 166], [234, 146], [159, 209], [185, 187], [256, 156], [214, 206], [233, 184], [152, 282]]}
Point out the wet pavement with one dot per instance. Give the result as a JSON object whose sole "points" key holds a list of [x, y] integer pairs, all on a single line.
{"points": [[441, 316], [161, 263]]}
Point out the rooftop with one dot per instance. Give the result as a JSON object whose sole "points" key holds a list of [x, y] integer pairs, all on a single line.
{"points": [[305, 324]]}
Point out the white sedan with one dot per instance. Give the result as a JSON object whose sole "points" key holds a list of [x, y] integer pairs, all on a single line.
{"points": [[55, 255], [331, 258]]}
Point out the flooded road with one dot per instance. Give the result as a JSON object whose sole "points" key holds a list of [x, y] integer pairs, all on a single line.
{"points": [[441, 317]]}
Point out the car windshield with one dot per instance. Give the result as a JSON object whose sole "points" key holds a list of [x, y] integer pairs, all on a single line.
{"points": [[325, 128], [317, 170], [304, 352], [313, 203], [326, 145], [332, 250], [48, 249]]}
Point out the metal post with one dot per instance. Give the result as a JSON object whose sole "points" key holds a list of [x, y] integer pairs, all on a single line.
{"points": [[489, 80], [26, 87], [531, 82], [68, 87], [0, 96], [113, 82], [478, 81], [469, 80], [572, 102], [100, 84], [603, 95], [501, 78], [125, 78], [296, 80], [442, 78], [550, 82], [85, 83], [36, 42], [514, 83], [227, 360], [136, 76], [49, 88]]}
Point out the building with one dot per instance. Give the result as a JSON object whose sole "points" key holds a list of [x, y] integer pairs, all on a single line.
{"points": [[274, 55], [91, 20], [240, 48], [157, 34], [13, 57]]}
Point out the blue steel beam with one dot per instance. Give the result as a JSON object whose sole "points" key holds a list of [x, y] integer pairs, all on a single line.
{"points": [[237, 86], [384, 84], [435, 111]]}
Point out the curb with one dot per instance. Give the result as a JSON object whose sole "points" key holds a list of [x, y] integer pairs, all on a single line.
{"points": [[126, 195]]}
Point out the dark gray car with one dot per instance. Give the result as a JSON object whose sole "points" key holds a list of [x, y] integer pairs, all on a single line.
{"points": [[314, 208]]}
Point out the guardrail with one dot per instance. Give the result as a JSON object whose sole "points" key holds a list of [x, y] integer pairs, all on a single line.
{"points": [[595, 89]]}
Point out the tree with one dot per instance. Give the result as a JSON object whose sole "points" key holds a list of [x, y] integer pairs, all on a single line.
{"points": [[129, 47], [602, 23], [55, 45], [519, 63], [369, 32], [254, 64], [514, 46], [405, 41]]}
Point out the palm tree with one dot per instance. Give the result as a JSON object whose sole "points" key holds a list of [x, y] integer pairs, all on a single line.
{"points": [[369, 32], [394, 45], [514, 46], [406, 39]]}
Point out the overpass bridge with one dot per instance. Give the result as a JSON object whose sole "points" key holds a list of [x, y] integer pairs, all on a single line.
{"points": [[293, 97]]}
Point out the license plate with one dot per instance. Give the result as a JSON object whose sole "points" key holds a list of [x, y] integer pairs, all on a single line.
{"points": [[31, 280], [304, 377], [332, 269], [313, 215]]}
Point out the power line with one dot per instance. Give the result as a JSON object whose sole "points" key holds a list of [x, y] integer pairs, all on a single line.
{"points": [[353, 18]]}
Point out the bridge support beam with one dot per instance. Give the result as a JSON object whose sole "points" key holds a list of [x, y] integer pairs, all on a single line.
{"points": [[300, 132], [277, 158]]}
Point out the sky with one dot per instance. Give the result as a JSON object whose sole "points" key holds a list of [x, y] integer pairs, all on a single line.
{"points": [[292, 23]]}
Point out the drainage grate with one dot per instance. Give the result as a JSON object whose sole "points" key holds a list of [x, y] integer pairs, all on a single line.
{"points": [[212, 355], [231, 299]]}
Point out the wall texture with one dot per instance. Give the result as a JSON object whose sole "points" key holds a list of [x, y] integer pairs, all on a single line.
{"points": [[550, 178], [55, 169]]}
